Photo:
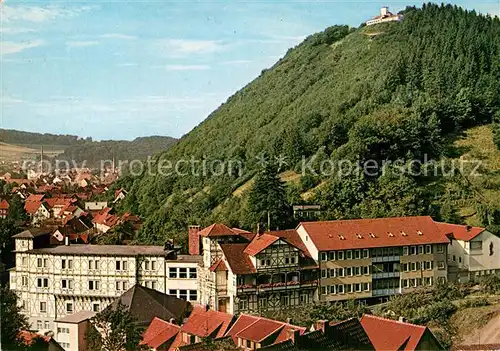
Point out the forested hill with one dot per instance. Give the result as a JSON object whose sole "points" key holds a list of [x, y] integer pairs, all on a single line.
{"points": [[384, 92], [121, 150], [72, 147]]}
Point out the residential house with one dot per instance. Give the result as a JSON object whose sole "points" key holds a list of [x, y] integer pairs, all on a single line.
{"points": [[387, 334], [4, 208], [327, 336], [205, 323], [473, 252], [37, 211], [373, 259], [120, 194], [95, 206], [252, 332], [53, 282], [70, 330], [162, 335]]}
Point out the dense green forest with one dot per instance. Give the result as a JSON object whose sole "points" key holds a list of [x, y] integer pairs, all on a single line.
{"points": [[121, 150], [11, 136], [396, 91]]}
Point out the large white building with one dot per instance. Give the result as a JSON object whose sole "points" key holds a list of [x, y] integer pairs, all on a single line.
{"points": [[53, 282], [473, 252]]}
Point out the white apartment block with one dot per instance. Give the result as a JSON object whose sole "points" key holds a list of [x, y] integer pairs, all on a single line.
{"points": [[53, 282]]}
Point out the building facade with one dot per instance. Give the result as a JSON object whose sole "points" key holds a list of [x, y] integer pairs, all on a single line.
{"points": [[53, 282], [375, 258]]}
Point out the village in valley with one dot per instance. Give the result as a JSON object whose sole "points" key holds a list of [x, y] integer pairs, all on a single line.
{"points": [[75, 275]]}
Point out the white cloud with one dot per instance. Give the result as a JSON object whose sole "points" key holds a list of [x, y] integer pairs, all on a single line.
{"points": [[118, 36], [16, 30], [80, 44], [182, 47], [10, 47], [9, 100], [38, 14], [187, 67]]}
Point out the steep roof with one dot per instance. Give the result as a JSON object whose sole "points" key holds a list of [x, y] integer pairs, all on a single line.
{"points": [[4, 205], [460, 232], [32, 233], [35, 198], [258, 329], [218, 265], [160, 332], [346, 335], [396, 231], [238, 260], [259, 243], [32, 206], [145, 304], [292, 237], [388, 334], [204, 323], [217, 229]]}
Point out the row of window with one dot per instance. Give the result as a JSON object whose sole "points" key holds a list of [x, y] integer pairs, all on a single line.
{"points": [[188, 295], [42, 324], [93, 264], [379, 252], [416, 282], [347, 255], [345, 272], [182, 273], [284, 301], [63, 330], [345, 288], [152, 284], [69, 307], [287, 259]]}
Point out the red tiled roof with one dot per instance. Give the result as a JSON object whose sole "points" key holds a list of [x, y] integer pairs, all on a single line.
{"points": [[259, 243], [31, 207], [238, 260], [285, 335], [260, 330], [204, 323], [35, 198], [388, 334], [59, 201], [243, 321], [292, 237], [460, 232], [244, 233], [218, 265], [159, 332], [4, 205], [217, 229], [396, 231]]}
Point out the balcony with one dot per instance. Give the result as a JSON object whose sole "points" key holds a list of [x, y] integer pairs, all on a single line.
{"points": [[384, 275], [378, 259], [277, 286], [386, 292]]}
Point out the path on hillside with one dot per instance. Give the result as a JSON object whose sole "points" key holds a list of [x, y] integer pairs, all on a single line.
{"points": [[489, 334]]}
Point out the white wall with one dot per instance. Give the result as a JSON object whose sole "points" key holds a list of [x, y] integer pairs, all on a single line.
{"points": [[306, 239]]}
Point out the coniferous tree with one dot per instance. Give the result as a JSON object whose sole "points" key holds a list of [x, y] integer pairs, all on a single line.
{"points": [[11, 319]]}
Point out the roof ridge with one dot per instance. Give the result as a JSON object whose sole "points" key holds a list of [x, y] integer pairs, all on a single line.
{"points": [[363, 219], [394, 321]]}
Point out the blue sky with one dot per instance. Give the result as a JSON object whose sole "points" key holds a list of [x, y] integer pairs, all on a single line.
{"points": [[122, 69]]}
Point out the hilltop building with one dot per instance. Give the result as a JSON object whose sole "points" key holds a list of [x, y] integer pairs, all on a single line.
{"points": [[385, 16]]}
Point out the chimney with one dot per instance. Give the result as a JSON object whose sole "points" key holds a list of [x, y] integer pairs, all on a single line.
{"points": [[321, 325], [171, 320], [402, 319], [468, 228], [194, 240], [293, 334], [289, 321], [66, 240]]}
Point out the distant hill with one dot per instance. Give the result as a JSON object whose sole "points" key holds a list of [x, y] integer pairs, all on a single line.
{"points": [[394, 91], [137, 149], [72, 147]]}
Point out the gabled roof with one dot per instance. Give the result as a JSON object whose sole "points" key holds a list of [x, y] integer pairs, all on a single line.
{"points": [[4, 205], [292, 237], [32, 207], [244, 233], [259, 243], [32, 233], [145, 304], [205, 323], [238, 260], [217, 229], [35, 198], [161, 332], [218, 265], [346, 335], [460, 232], [379, 232], [258, 329], [388, 334]]}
